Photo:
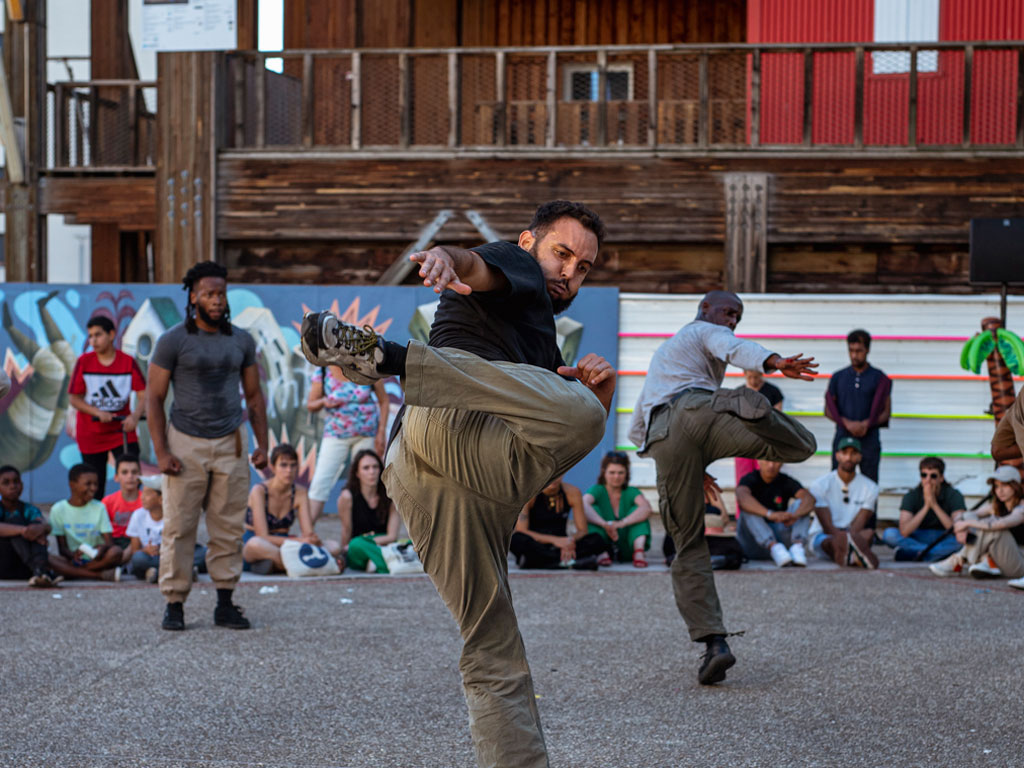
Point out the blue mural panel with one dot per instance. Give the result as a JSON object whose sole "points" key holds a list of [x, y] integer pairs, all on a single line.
{"points": [[43, 333]]}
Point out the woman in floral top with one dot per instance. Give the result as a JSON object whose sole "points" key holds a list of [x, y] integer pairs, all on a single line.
{"points": [[354, 420]]}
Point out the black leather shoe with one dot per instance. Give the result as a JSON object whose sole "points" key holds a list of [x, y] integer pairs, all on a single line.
{"points": [[588, 563], [230, 616], [717, 658], [174, 617]]}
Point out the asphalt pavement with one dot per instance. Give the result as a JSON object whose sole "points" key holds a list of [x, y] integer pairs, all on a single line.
{"points": [[836, 668]]}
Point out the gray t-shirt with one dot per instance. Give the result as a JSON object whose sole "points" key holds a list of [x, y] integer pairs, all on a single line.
{"points": [[206, 371]]}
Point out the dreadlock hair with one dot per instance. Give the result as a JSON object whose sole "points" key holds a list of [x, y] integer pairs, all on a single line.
{"points": [[193, 276]]}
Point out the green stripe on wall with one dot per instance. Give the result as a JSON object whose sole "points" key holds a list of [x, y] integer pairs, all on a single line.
{"points": [[885, 454], [940, 416]]}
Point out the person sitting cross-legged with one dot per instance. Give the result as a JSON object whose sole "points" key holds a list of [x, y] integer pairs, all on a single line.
{"points": [[23, 531], [82, 528], [844, 510], [990, 550], [618, 512], [927, 516], [775, 516], [541, 538], [369, 519], [274, 506]]}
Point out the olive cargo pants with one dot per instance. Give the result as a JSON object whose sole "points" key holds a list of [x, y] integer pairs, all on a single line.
{"points": [[478, 440]]}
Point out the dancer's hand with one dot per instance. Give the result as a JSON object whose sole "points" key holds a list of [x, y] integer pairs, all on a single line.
{"points": [[597, 374], [794, 367], [169, 464], [437, 268]]}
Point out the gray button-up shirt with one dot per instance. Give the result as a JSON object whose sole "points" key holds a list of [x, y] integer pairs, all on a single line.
{"points": [[694, 358]]}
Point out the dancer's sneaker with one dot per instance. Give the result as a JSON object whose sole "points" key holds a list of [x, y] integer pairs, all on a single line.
{"points": [[781, 555], [357, 351], [715, 661]]}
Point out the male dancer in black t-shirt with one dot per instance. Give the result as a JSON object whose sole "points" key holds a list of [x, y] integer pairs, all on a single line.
{"points": [[492, 416]]}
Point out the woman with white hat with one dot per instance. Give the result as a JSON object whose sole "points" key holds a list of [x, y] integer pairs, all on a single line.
{"points": [[990, 550]]}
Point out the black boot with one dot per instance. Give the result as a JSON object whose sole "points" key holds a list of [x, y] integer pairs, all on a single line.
{"points": [[230, 615], [717, 658], [174, 617]]}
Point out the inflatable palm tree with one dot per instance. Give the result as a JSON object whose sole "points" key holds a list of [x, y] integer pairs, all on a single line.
{"points": [[1003, 350]]}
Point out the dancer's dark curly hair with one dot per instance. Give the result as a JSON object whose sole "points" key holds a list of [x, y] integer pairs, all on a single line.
{"points": [[193, 276]]}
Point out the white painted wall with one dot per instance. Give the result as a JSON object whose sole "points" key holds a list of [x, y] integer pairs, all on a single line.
{"points": [[828, 315]]}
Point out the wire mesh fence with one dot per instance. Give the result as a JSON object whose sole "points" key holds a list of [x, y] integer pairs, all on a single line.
{"points": [[736, 97]]}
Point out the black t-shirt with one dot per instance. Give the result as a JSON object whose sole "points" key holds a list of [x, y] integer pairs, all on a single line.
{"points": [[515, 324], [774, 496], [547, 519], [949, 498], [773, 393]]}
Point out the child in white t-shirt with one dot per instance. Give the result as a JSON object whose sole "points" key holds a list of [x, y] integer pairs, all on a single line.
{"points": [[145, 530]]}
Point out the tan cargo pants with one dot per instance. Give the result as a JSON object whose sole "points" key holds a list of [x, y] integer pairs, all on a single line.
{"points": [[479, 440], [683, 438], [215, 479]]}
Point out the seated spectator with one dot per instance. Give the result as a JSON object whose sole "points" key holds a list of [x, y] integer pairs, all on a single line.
{"points": [[927, 515], [145, 530], [618, 512], [775, 516], [989, 549], [844, 510], [369, 519], [719, 532], [124, 501], [23, 532], [274, 506], [82, 528], [541, 538]]}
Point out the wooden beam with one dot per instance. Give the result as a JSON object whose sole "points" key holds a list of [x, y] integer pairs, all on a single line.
{"points": [[247, 24], [746, 232], [402, 267]]}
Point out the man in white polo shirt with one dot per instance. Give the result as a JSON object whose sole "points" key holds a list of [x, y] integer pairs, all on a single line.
{"points": [[844, 510]]}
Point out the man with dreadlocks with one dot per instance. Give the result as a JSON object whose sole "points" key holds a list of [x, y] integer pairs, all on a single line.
{"points": [[202, 450]]}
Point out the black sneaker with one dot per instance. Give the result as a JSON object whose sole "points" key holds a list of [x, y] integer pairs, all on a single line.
{"points": [[174, 617], [585, 563], [717, 658], [230, 615], [328, 341]]}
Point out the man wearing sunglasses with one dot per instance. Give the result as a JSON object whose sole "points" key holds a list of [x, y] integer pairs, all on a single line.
{"points": [[927, 514], [844, 510], [685, 420]]}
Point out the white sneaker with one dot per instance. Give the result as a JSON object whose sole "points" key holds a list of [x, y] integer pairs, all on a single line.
{"points": [[1016, 583], [780, 555], [951, 566], [986, 569], [798, 554]]}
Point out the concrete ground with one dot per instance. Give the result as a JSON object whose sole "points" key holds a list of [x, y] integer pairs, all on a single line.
{"points": [[836, 668]]}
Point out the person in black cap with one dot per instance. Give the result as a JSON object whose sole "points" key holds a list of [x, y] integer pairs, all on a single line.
{"points": [[844, 510]]}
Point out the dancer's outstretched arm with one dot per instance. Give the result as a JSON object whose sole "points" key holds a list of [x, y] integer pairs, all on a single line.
{"points": [[463, 271], [794, 367]]}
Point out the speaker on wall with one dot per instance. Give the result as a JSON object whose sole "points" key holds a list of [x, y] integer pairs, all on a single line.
{"points": [[997, 251]]}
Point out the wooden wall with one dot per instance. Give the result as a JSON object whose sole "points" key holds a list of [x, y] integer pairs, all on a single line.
{"points": [[843, 225], [441, 23]]}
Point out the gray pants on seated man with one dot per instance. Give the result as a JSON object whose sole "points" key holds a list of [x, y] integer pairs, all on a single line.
{"points": [[756, 534]]}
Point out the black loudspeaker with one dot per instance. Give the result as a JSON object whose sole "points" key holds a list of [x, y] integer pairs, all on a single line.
{"points": [[997, 251]]}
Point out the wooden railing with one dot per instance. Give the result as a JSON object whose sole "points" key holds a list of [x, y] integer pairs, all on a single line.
{"points": [[702, 98], [101, 125]]}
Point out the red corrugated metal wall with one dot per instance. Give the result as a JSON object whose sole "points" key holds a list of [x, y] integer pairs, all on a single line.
{"points": [[886, 96]]}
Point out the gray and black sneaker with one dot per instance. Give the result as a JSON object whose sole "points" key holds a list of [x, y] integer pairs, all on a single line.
{"points": [[357, 351]]}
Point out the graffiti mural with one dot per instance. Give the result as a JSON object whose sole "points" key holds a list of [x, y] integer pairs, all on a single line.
{"points": [[44, 331]]}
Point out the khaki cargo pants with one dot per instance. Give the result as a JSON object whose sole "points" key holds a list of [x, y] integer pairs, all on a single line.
{"points": [[685, 436], [215, 479], [479, 440]]}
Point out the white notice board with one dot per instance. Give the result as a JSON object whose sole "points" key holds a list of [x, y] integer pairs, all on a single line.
{"points": [[189, 25]]}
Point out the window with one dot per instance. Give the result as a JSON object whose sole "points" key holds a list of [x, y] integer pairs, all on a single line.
{"points": [[581, 82], [905, 21]]}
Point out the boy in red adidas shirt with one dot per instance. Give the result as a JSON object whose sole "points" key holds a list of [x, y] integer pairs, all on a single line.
{"points": [[100, 390]]}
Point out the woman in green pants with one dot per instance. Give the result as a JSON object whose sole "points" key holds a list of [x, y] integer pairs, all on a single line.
{"points": [[618, 511], [369, 518]]}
